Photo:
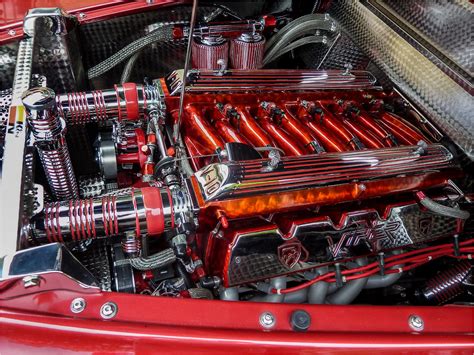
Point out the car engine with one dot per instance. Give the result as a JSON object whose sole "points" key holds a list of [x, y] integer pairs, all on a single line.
{"points": [[271, 154]]}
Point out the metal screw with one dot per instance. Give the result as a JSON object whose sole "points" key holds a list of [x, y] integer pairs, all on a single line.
{"points": [[416, 323], [78, 305], [348, 68], [108, 310], [237, 260], [267, 320], [31, 280], [12, 33], [82, 15]]}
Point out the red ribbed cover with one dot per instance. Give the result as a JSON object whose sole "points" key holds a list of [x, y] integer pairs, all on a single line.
{"points": [[206, 56], [247, 55]]}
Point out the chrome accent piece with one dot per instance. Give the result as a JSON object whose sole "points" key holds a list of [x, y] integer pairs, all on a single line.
{"points": [[224, 29], [268, 79], [59, 22], [108, 310], [120, 212], [187, 63], [31, 280], [78, 305], [236, 179], [267, 320], [416, 323], [444, 101], [91, 187], [44, 259], [49, 132], [256, 254]]}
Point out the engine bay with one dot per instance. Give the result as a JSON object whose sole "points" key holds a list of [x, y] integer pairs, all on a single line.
{"points": [[215, 156]]}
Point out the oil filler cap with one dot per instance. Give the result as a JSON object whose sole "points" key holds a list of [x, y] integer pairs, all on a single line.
{"points": [[300, 321]]}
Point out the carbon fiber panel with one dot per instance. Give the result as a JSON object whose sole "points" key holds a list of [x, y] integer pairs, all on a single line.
{"points": [[8, 54], [443, 100], [104, 38]]}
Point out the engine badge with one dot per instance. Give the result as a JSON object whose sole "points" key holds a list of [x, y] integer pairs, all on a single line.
{"points": [[291, 253], [212, 180]]}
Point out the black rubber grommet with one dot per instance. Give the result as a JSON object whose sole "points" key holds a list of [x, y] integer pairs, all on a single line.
{"points": [[300, 321]]}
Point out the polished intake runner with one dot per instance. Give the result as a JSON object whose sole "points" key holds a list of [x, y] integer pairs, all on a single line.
{"points": [[49, 131]]}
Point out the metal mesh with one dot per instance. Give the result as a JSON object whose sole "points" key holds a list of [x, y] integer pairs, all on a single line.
{"points": [[443, 100], [343, 52], [446, 25], [95, 257], [5, 101]]}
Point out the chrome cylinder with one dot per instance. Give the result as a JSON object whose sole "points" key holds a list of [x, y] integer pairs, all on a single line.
{"points": [[145, 211], [49, 131], [125, 102]]}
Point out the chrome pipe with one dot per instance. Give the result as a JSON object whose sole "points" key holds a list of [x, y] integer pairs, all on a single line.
{"points": [[49, 131]]}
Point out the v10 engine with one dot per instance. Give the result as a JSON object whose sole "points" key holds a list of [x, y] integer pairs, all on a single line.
{"points": [[271, 185]]}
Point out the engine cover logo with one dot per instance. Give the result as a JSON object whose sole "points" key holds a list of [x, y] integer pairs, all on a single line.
{"points": [[292, 252], [425, 225]]}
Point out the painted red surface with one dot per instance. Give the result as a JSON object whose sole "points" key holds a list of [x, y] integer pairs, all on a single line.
{"points": [[12, 12], [41, 320]]}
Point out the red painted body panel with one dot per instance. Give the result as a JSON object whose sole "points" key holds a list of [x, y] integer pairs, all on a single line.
{"points": [[12, 12], [39, 320], [42, 321]]}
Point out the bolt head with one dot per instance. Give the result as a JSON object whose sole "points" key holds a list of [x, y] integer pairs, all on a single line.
{"points": [[416, 323], [108, 310], [78, 305], [38, 98], [82, 15], [267, 320], [12, 33]]}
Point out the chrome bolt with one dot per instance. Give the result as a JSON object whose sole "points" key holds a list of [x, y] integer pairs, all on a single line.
{"points": [[416, 323], [108, 310], [78, 305], [348, 68], [82, 15], [267, 320], [31, 280], [12, 33]]}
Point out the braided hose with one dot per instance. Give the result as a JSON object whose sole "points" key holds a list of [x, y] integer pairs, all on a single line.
{"points": [[155, 261], [164, 32]]}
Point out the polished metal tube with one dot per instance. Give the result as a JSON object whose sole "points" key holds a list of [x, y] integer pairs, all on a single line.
{"points": [[49, 131]]}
